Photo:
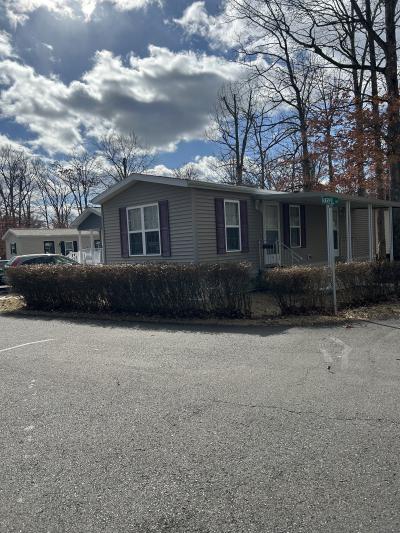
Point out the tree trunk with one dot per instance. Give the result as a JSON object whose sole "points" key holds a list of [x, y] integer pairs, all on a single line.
{"points": [[377, 131], [393, 129], [305, 157]]}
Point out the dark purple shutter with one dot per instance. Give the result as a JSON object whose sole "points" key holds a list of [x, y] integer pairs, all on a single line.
{"points": [[286, 224], [303, 226], [164, 228], [62, 247], [75, 244], [244, 226], [220, 225], [123, 229]]}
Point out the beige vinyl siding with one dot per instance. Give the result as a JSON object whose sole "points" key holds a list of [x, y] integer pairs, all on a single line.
{"points": [[359, 230], [92, 222], [27, 245], [206, 239], [180, 219]]}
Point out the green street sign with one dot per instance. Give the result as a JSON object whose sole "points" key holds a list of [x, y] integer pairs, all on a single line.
{"points": [[330, 200]]}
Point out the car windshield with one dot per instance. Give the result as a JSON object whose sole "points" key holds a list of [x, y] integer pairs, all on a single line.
{"points": [[60, 260]]}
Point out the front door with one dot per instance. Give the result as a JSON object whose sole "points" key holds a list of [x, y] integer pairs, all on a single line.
{"points": [[271, 235]]}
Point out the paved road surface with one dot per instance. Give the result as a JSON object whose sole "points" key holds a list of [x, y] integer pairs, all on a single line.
{"points": [[151, 429]]}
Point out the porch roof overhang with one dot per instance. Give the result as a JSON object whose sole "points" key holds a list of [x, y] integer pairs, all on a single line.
{"points": [[315, 198]]}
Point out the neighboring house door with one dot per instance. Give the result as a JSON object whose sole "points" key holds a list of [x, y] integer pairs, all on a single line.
{"points": [[49, 247], [335, 217], [69, 247], [271, 235]]}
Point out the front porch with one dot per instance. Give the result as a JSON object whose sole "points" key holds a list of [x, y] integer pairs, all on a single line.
{"points": [[295, 230], [90, 220]]}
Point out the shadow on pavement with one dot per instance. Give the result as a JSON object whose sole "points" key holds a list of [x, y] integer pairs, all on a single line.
{"points": [[165, 325]]}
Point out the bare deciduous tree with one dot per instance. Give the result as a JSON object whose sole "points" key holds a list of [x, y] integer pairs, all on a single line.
{"points": [[123, 155], [187, 172], [17, 186], [55, 196], [286, 72], [233, 119], [82, 176]]}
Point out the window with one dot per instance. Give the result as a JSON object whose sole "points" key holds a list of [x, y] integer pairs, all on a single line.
{"points": [[144, 230], [97, 244], [41, 260], [69, 247], [60, 260], [49, 247], [232, 225], [295, 226], [13, 248]]}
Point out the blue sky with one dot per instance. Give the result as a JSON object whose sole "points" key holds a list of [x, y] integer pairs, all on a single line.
{"points": [[71, 70]]}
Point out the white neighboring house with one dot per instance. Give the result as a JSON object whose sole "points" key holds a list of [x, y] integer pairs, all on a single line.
{"points": [[90, 220], [48, 241]]}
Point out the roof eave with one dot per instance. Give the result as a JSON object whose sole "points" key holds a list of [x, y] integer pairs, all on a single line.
{"points": [[131, 180], [84, 215], [314, 198], [9, 231]]}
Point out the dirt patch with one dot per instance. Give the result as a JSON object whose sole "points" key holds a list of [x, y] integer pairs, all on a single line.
{"points": [[9, 304]]}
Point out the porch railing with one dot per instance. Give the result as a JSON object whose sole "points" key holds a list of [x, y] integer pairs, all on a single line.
{"points": [[278, 254], [88, 256]]}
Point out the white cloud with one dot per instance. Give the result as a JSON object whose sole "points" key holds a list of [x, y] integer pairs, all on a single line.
{"points": [[6, 49], [18, 11], [165, 98], [6, 141], [160, 170], [222, 31], [48, 46], [204, 166]]}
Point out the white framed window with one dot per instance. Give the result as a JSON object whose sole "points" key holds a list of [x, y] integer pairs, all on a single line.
{"points": [[69, 247], [295, 226], [13, 248], [144, 230], [232, 225]]}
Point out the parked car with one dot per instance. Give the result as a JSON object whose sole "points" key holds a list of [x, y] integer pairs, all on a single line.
{"points": [[3, 263], [39, 259]]}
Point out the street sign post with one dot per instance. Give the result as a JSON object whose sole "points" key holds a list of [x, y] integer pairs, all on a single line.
{"points": [[331, 251]]}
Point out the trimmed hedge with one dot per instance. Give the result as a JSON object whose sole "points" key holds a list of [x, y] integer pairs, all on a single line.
{"points": [[304, 288], [173, 290]]}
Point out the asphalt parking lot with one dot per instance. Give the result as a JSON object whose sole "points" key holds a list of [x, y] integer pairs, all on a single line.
{"points": [[124, 428]]}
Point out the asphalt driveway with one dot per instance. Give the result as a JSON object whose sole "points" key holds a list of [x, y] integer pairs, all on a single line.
{"points": [[106, 427]]}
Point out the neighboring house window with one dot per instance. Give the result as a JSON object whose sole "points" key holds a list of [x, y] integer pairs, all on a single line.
{"points": [[13, 248], [97, 244], [49, 247], [144, 230], [295, 226], [69, 247], [232, 225]]}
